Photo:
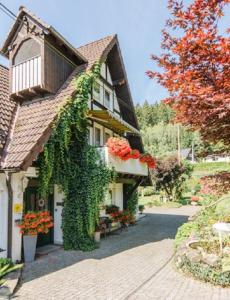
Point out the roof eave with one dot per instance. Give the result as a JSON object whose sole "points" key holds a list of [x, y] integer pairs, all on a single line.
{"points": [[50, 30], [62, 39]]}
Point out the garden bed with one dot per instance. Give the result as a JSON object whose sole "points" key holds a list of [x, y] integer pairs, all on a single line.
{"points": [[197, 245]]}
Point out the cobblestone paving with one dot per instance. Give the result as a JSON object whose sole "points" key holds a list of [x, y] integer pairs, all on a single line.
{"points": [[132, 265]]}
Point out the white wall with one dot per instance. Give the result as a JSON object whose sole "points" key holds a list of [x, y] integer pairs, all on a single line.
{"points": [[19, 183], [117, 194], [3, 214]]}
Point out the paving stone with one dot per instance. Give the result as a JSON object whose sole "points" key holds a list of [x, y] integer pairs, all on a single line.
{"points": [[130, 265]]}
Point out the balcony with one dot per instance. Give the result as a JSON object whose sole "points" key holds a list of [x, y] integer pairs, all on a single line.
{"points": [[131, 166], [26, 75]]}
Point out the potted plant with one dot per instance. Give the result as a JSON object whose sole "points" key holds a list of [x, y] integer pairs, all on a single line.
{"points": [[141, 209], [97, 234], [32, 224]]}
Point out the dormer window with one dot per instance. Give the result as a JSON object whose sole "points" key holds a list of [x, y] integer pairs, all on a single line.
{"points": [[41, 60]]}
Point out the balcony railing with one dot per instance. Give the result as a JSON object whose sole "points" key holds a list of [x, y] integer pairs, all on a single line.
{"points": [[131, 166], [26, 74]]}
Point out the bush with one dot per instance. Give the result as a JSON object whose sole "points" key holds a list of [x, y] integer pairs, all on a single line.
{"points": [[5, 261], [170, 177], [184, 232], [111, 209], [148, 191], [205, 272], [223, 208], [141, 208]]}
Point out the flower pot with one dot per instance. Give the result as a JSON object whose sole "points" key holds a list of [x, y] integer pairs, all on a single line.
{"points": [[97, 236], [29, 246]]}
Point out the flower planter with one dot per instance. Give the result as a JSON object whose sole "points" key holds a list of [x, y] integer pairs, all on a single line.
{"points": [[97, 236], [29, 246]]}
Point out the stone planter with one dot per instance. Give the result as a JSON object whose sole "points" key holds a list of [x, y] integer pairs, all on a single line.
{"points": [[29, 246], [97, 236]]}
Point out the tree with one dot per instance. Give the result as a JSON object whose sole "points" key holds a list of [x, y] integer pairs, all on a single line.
{"points": [[170, 176], [195, 65]]}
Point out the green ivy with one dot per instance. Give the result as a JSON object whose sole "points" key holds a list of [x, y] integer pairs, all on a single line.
{"points": [[76, 167], [132, 201]]}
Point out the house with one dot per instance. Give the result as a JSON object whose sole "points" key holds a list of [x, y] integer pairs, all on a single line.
{"points": [[43, 67], [216, 158], [187, 154]]}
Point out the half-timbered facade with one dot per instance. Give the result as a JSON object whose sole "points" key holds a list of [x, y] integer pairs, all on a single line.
{"points": [[42, 70]]}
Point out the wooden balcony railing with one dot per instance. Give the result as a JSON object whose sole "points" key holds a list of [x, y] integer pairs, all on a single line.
{"points": [[26, 74]]}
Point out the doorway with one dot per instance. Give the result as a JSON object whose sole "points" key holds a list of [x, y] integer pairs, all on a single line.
{"points": [[32, 202]]}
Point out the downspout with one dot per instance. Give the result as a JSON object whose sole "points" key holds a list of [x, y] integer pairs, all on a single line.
{"points": [[10, 213]]}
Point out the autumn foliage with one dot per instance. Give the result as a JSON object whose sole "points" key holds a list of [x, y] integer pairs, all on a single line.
{"points": [[216, 184], [195, 66]]}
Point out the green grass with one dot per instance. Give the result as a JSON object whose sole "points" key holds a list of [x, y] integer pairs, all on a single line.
{"points": [[154, 200], [204, 168]]}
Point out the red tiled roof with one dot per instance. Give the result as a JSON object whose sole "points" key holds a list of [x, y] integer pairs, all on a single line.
{"points": [[34, 124], [97, 50], [6, 107], [34, 118]]}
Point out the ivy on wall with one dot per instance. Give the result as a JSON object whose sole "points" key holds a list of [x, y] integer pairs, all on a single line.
{"points": [[76, 167], [133, 200]]}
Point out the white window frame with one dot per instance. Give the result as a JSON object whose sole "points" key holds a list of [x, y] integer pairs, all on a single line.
{"points": [[98, 126], [110, 132], [110, 106]]}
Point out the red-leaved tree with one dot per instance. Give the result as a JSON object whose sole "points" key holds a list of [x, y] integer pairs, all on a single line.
{"points": [[195, 67]]}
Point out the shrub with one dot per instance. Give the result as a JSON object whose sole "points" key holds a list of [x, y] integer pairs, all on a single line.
{"points": [[141, 208], [205, 272], [170, 177], [5, 261], [6, 267], [184, 232], [111, 209], [148, 191]]}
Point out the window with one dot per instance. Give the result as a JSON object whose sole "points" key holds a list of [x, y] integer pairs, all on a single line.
{"points": [[107, 136], [27, 50], [107, 99], [96, 91], [97, 137]]}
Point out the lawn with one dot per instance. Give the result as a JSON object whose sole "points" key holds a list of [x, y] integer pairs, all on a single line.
{"points": [[200, 169], [204, 168]]}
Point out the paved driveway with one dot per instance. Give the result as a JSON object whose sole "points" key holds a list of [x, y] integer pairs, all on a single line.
{"points": [[135, 264]]}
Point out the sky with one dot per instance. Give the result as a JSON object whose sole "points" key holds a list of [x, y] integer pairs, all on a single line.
{"points": [[138, 24]]}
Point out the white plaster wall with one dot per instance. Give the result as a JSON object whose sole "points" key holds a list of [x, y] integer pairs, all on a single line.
{"points": [[3, 214], [58, 200], [19, 183], [117, 194]]}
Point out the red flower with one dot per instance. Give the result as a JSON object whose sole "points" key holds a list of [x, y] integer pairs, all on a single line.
{"points": [[36, 222]]}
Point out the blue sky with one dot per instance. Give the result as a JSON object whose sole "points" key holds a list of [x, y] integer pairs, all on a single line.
{"points": [[138, 24]]}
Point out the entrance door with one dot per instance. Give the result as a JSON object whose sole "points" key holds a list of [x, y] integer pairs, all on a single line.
{"points": [[33, 203]]}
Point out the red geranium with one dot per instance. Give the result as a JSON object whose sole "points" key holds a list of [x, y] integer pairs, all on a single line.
{"points": [[119, 147], [147, 158], [36, 222], [195, 198]]}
